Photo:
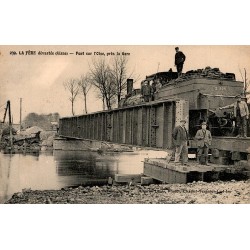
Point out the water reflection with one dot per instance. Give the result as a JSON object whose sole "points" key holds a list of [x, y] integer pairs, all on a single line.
{"points": [[84, 167], [58, 169], [18, 171]]}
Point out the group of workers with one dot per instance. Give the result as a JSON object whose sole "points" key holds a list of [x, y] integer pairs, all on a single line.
{"points": [[180, 136], [203, 135], [148, 90]]}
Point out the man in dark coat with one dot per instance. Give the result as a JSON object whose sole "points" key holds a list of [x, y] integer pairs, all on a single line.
{"points": [[146, 91], [204, 138], [179, 60], [180, 136]]}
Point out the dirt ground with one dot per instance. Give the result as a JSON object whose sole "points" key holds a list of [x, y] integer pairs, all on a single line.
{"points": [[233, 192]]}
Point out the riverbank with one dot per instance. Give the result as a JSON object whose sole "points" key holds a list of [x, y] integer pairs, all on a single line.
{"points": [[233, 192]]}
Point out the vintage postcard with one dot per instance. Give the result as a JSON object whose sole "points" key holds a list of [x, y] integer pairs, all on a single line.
{"points": [[124, 124]]}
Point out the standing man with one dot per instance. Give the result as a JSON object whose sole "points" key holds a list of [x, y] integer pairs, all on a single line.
{"points": [[204, 138], [180, 136], [179, 60], [241, 113], [146, 91]]}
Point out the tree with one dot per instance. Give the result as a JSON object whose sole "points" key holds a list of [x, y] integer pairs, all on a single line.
{"points": [[85, 86], [244, 79], [43, 120], [73, 87], [120, 74], [102, 78]]}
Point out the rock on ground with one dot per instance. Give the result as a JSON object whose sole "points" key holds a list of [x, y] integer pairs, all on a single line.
{"points": [[233, 192]]}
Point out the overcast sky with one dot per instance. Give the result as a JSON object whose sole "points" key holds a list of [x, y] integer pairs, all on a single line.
{"points": [[38, 79]]}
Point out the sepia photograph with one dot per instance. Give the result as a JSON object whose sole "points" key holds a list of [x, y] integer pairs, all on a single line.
{"points": [[152, 124], [124, 124]]}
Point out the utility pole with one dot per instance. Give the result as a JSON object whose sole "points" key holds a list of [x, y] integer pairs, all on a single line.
{"points": [[10, 124], [20, 128]]}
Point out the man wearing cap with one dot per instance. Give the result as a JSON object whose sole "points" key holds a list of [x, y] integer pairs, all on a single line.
{"points": [[180, 136], [146, 91], [204, 138], [179, 60], [241, 113]]}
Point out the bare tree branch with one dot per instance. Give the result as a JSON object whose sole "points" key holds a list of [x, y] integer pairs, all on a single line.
{"points": [[85, 85], [120, 74], [72, 86], [245, 81], [102, 79]]}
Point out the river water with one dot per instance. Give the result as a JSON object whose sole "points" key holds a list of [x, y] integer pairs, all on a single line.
{"points": [[58, 169]]}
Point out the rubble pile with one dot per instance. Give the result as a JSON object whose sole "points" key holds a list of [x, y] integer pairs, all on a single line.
{"points": [[47, 138], [31, 139], [134, 100], [208, 72], [48, 142], [192, 193], [32, 130]]}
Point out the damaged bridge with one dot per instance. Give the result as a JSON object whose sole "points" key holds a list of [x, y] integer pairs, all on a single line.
{"points": [[147, 125]]}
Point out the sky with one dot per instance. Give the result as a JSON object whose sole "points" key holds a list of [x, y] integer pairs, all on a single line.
{"points": [[38, 79]]}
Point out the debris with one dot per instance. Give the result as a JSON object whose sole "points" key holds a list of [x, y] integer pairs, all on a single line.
{"points": [[48, 201], [192, 193], [110, 180], [33, 130], [208, 72]]}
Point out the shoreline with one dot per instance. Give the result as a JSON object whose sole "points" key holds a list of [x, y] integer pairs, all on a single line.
{"points": [[219, 192]]}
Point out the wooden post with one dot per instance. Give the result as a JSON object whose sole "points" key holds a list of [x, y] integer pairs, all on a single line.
{"points": [[10, 124], [20, 128]]}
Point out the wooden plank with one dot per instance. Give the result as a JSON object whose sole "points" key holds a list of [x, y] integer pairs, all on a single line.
{"points": [[126, 119], [135, 132], [109, 127], [169, 124], [151, 131], [160, 169], [126, 178], [147, 127], [145, 180], [164, 174], [114, 126], [122, 126], [231, 144], [144, 126], [160, 129], [140, 125]]}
